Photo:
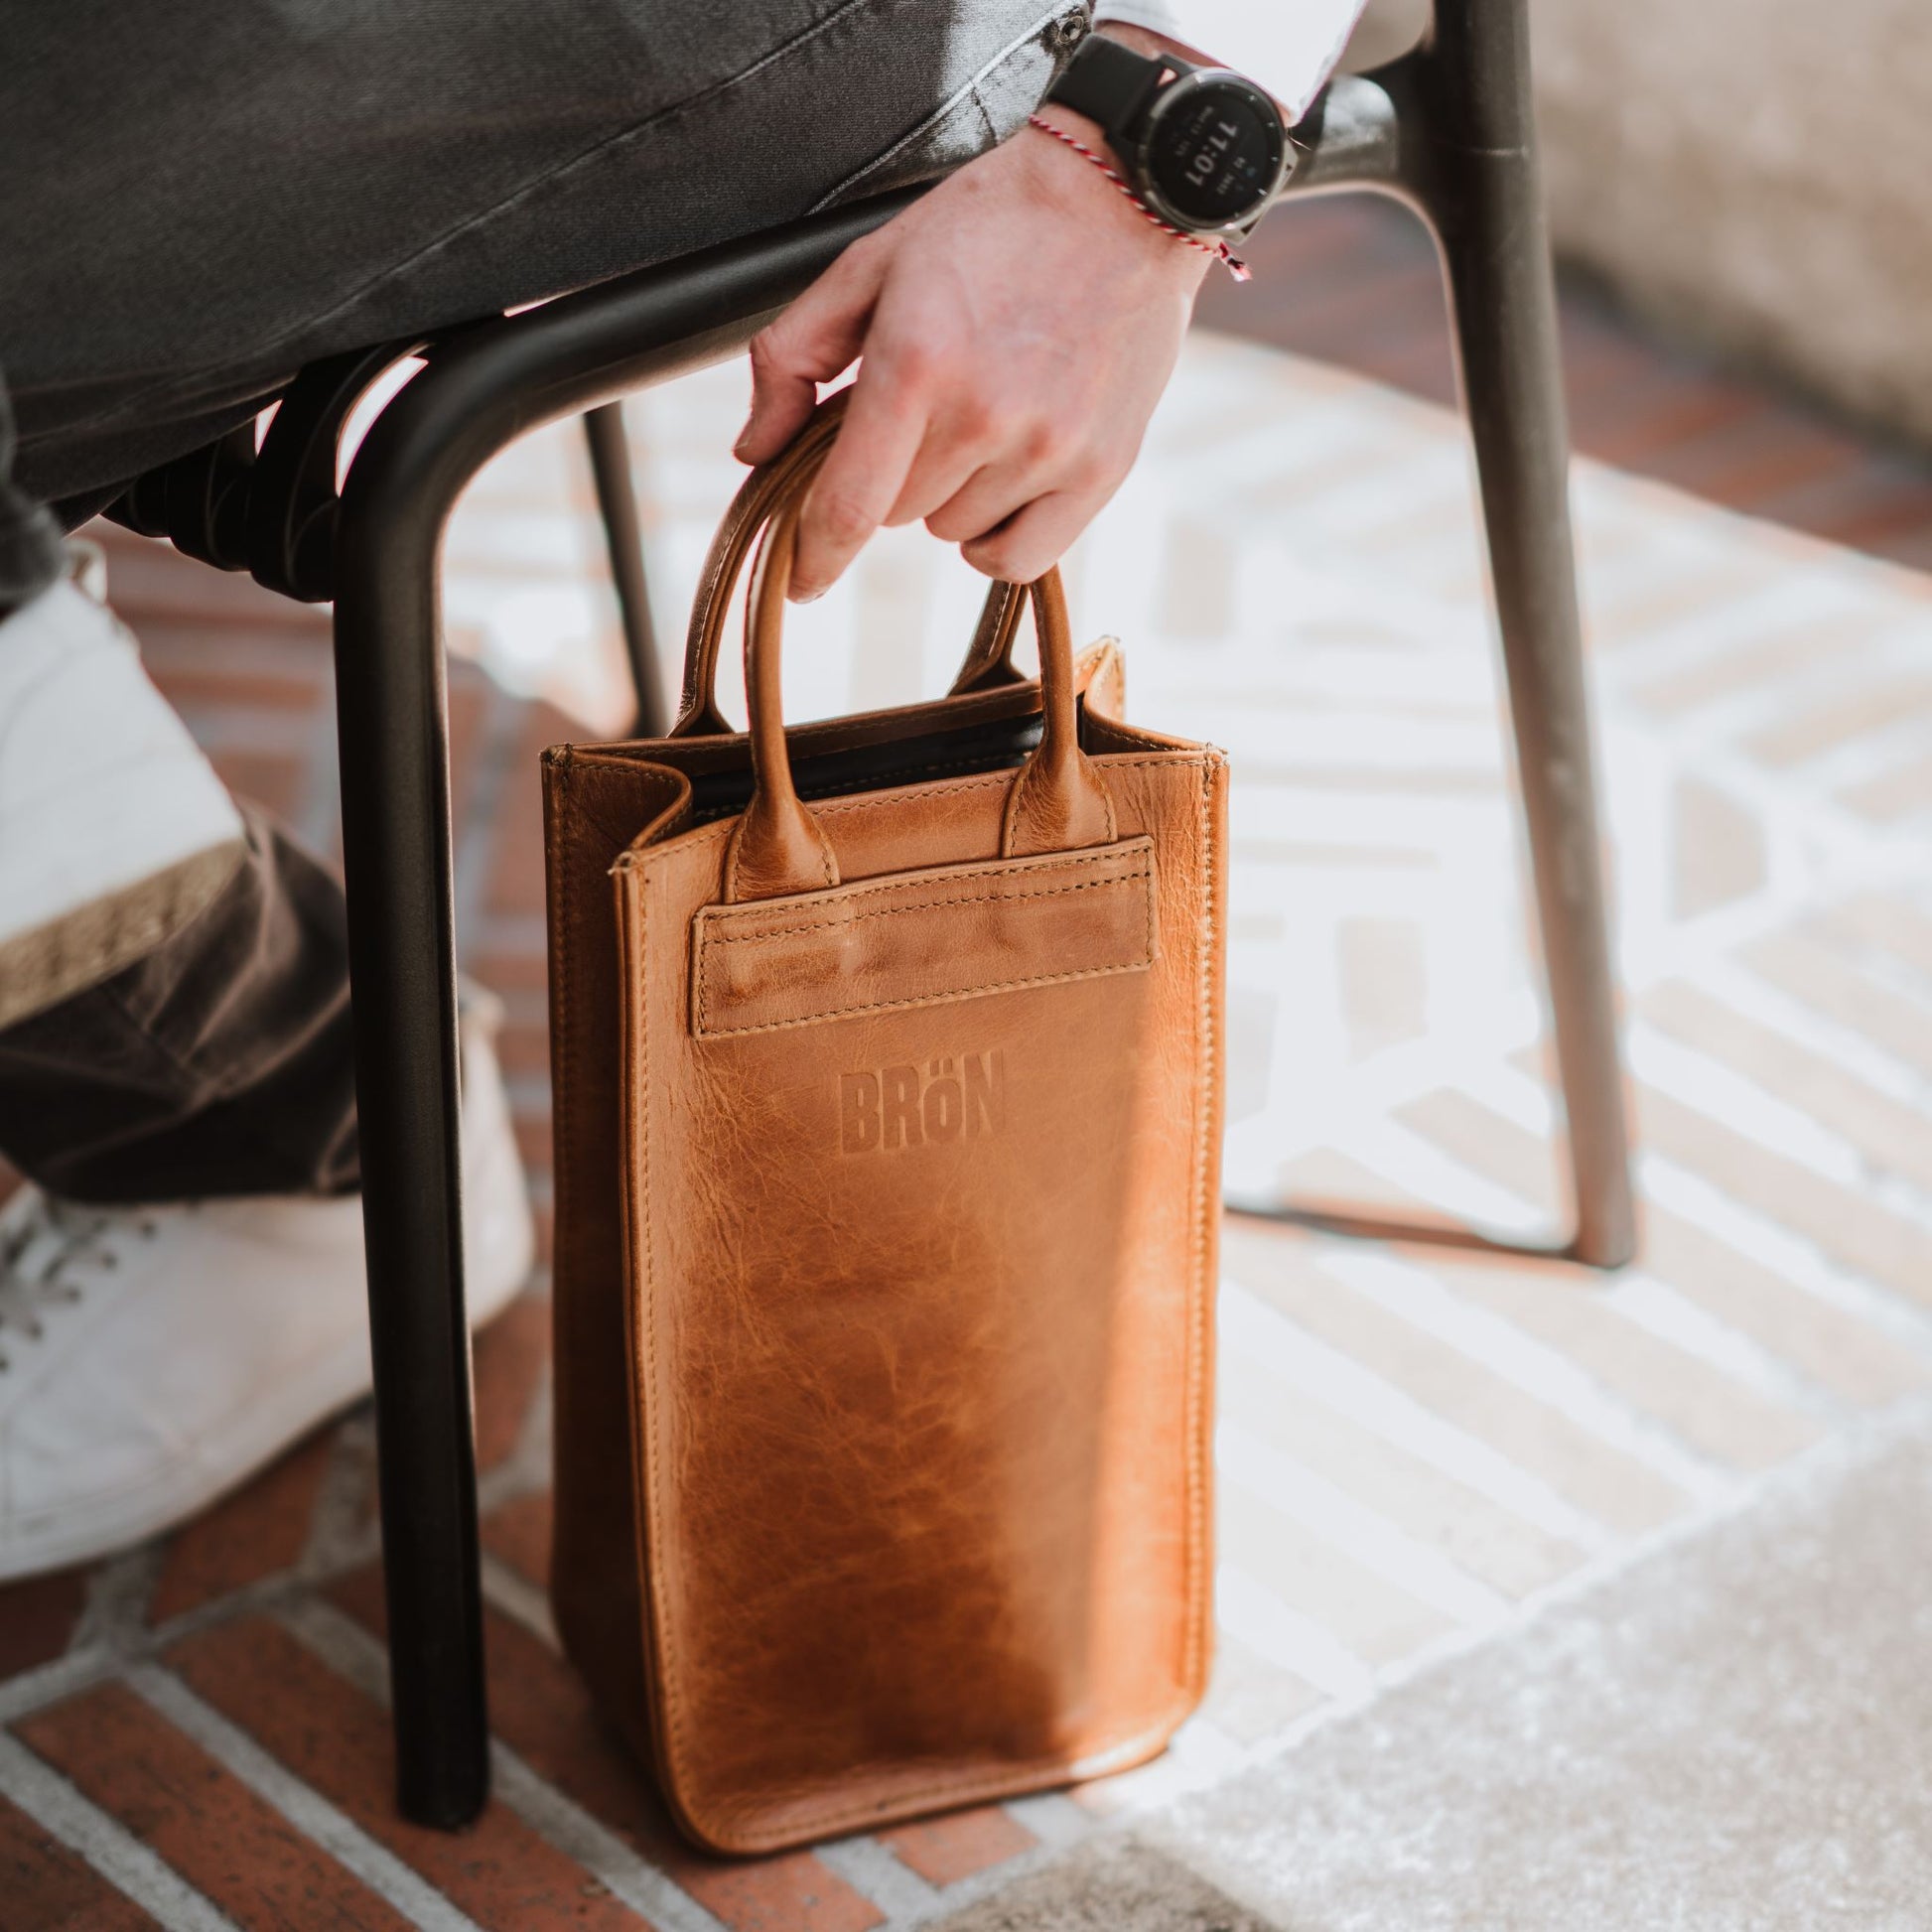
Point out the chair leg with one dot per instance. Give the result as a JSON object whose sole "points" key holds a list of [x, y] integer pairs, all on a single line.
{"points": [[1483, 198], [611, 465], [483, 389], [1453, 136], [393, 729]]}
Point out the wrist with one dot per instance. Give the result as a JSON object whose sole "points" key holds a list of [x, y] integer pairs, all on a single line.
{"points": [[1081, 131], [1144, 40], [1109, 199], [1077, 184], [1083, 127], [1202, 149]]}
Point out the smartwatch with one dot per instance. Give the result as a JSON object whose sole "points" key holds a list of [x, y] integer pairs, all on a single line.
{"points": [[1205, 149]]}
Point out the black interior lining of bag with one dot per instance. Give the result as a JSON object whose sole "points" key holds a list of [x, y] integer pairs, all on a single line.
{"points": [[1001, 745]]}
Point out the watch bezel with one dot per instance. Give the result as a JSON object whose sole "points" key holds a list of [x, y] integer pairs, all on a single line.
{"points": [[1171, 99]]}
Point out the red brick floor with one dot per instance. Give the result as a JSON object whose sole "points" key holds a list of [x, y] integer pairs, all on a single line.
{"points": [[198, 1728]]}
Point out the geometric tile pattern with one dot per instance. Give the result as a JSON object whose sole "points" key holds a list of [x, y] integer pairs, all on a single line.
{"points": [[1416, 1451], [1353, 281]]}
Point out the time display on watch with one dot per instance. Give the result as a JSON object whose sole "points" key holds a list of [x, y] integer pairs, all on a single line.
{"points": [[1215, 152]]}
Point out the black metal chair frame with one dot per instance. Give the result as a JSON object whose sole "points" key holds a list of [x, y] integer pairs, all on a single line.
{"points": [[1446, 129]]}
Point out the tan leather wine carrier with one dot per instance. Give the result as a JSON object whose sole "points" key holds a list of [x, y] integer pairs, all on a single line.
{"points": [[887, 1087]]}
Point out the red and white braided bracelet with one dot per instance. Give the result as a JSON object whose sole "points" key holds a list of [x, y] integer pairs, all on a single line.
{"points": [[1234, 265]]}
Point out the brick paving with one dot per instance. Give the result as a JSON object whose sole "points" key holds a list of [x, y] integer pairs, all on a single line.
{"points": [[1417, 1450], [1354, 283]]}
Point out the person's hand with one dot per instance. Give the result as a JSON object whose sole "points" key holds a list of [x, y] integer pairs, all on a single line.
{"points": [[1015, 328]]}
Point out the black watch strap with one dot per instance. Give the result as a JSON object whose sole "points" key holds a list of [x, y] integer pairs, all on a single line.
{"points": [[1109, 82]]}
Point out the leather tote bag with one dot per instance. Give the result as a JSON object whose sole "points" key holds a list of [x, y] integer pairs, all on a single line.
{"points": [[887, 1088]]}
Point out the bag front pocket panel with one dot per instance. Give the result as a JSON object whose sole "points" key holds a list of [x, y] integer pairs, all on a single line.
{"points": [[947, 933]]}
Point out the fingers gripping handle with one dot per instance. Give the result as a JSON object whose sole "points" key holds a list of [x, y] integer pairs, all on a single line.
{"points": [[989, 663], [781, 479], [1056, 803]]}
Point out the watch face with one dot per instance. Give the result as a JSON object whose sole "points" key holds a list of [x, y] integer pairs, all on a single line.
{"points": [[1215, 152]]}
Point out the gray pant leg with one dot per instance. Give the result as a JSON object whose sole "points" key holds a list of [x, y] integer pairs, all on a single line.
{"points": [[199, 199], [219, 1064], [196, 200]]}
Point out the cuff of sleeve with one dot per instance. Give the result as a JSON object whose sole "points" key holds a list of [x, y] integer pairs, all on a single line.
{"points": [[1291, 46]]}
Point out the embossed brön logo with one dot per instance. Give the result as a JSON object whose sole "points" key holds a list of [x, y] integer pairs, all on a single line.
{"points": [[951, 1099]]}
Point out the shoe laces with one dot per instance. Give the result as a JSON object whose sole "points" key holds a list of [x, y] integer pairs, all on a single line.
{"points": [[48, 1259]]}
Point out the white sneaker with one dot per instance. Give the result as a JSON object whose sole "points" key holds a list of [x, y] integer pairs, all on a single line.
{"points": [[114, 830], [153, 1357]]}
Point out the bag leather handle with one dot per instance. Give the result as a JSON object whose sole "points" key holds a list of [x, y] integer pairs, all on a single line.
{"points": [[1056, 803], [989, 661]]}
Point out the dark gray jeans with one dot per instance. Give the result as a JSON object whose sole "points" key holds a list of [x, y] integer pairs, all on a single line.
{"points": [[196, 200]]}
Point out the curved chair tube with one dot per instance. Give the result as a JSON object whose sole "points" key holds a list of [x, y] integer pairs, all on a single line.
{"points": [[1448, 130], [483, 388], [1356, 143], [1485, 199]]}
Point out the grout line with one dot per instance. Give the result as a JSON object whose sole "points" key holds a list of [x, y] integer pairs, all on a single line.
{"points": [[966, 1892], [95, 1661], [1408, 1290], [1674, 1318], [115, 1615], [345, 1646], [341, 1643], [57, 1680], [573, 1831], [305, 1808], [105, 1844], [520, 1600], [1317, 1370], [1741, 1103], [1052, 1818], [1286, 1638], [1202, 1756], [1285, 1486], [343, 1526], [1749, 1232], [871, 1869]]}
